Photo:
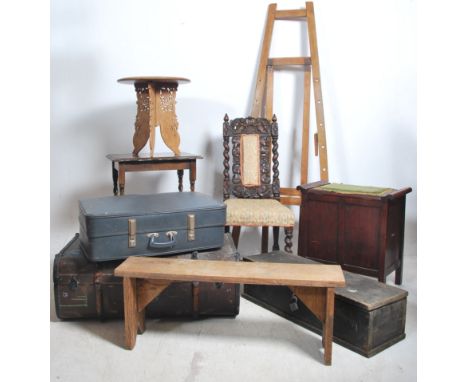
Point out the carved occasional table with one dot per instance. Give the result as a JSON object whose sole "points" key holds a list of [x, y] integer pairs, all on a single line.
{"points": [[155, 107], [122, 163]]}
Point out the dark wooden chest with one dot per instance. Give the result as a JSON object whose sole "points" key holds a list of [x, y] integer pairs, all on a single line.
{"points": [[360, 228], [369, 316], [85, 289]]}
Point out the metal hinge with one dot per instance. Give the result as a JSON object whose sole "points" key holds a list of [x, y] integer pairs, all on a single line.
{"points": [[131, 233]]}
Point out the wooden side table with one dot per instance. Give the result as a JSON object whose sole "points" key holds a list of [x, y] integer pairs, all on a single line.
{"points": [[156, 104], [122, 163]]}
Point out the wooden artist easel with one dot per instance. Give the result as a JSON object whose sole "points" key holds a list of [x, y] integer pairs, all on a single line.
{"points": [[263, 99]]}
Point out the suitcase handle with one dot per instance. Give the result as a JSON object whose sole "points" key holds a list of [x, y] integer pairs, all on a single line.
{"points": [[167, 244]]}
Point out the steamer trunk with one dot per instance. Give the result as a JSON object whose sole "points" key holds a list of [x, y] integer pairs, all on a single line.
{"points": [[85, 289], [369, 315]]}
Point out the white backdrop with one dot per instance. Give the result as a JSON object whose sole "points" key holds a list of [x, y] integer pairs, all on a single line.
{"points": [[368, 69]]}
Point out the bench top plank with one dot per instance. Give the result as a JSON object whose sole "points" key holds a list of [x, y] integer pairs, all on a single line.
{"points": [[313, 275]]}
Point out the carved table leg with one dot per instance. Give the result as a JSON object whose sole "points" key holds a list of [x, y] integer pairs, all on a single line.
{"points": [[288, 239], [180, 174], [115, 176], [275, 238], [142, 122], [164, 108], [130, 311]]}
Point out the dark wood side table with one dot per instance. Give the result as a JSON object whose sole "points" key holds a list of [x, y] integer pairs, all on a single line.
{"points": [[122, 163], [360, 228]]}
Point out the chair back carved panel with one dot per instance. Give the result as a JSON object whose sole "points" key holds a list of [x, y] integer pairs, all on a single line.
{"points": [[251, 174]]}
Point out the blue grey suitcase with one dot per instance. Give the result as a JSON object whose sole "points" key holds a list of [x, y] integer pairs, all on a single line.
{"points": [[113, 228]]}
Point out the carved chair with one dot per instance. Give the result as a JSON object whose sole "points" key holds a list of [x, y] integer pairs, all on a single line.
{"points": [[253, 181]]}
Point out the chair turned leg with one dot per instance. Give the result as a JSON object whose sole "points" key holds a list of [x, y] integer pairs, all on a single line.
{"points": [[236, 234], [264, 248], [275, 238], [288, 239]]}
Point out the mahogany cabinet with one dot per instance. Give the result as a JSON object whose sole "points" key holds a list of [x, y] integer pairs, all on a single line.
{"points": [[360, 228]]}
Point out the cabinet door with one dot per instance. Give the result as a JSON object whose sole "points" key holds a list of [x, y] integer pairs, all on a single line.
{"points": [[359, 241], [318, 231]]}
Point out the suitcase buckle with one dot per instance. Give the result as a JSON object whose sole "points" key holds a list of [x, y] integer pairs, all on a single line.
{"points": [[190, 227], [131, 233]]}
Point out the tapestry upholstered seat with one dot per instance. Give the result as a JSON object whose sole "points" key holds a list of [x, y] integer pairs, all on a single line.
{"points": [[252, 180]]}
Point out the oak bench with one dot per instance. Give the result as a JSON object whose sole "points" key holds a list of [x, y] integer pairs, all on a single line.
{"points": [[144, 278]]}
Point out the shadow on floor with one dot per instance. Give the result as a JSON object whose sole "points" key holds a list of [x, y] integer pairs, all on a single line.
{"points": [[221, 328]]}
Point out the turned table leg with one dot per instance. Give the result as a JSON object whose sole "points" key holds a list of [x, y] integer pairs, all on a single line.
{"points": [[180, 175], [115, 176], [121, 180], [132, 318], [193, 175]]}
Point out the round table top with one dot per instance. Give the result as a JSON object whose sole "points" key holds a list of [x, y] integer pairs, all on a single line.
{"points": [[146, 79]]}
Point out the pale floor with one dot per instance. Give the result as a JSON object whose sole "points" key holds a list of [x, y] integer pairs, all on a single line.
{"points": [[257, 345]]}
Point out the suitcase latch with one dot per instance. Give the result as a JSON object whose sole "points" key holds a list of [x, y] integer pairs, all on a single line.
{"points": [[131, 233], [191, 227]]}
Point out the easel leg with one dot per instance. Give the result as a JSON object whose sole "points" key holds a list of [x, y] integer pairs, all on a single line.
{"points": [[130, 311], [327, 334]]}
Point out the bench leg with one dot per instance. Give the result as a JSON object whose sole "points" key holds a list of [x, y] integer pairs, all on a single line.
{"points": [[321, 302], [327, 334], [131, 312], [141, 322]]}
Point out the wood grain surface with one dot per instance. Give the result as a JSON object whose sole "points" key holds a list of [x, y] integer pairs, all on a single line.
{"points": [[317, 275], [146, 79]]}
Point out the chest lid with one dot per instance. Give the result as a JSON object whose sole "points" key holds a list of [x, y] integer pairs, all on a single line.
{"points": [[361, 291]]}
